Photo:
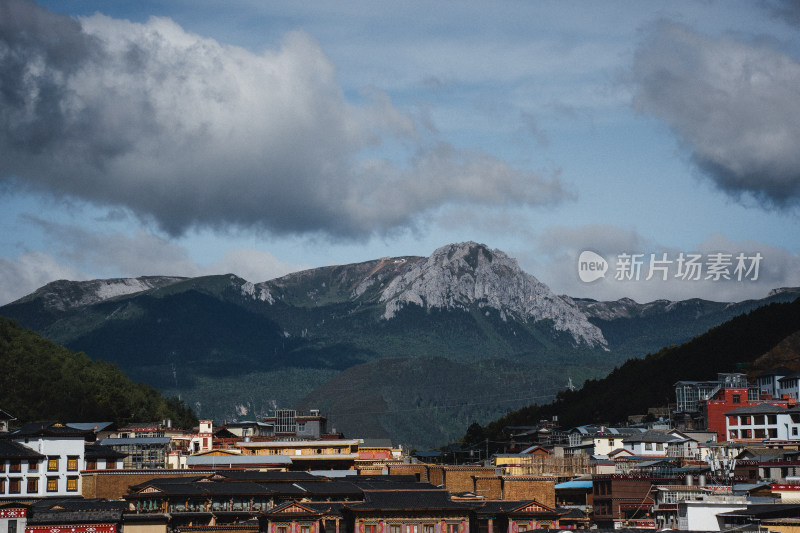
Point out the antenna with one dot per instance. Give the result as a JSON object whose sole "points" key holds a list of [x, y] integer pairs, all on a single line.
{"points": [[570, 386]]}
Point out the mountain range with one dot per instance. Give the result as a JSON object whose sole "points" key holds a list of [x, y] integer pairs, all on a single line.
{"points": [[409, 348]]}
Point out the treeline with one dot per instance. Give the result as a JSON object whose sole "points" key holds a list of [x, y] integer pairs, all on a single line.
{"points": [[40, 380], [640, 384]]}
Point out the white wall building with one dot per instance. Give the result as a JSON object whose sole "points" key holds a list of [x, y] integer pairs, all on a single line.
{"points": [[54, 470], [701, 515]]}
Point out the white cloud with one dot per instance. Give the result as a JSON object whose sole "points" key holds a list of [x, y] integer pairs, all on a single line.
{"points": [[78, 254], [733, 103], [555, 259], [30, 271], [188, 132]]}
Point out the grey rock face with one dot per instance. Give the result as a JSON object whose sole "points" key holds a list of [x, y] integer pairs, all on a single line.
{"points": [[63, 295], [460, 275]]}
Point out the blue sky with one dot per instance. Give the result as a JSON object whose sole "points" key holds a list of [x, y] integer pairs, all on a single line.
{"points": [[203, 137]]}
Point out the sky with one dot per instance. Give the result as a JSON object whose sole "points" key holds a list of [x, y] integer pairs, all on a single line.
{"points": [[616, 149]]}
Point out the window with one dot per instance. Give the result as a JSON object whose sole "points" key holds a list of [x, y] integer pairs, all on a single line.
{"points": [[2, 466], [283, 529], [52, 484], [648, 446], [772, 419], [737, 398], [611, 442], [2, 485], [13, 486], [15, 466], [395, 528], [33, 465], [12, 526], [111, 464], [758, 420], [369, 528], [428, 528], [522, 526], [72, 463], [33, 485], [91, 464], [52, 464], [72, 484]]}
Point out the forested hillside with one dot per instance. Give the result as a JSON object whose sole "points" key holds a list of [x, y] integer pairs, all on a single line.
{"points": [[44, 381], [649, 382]]}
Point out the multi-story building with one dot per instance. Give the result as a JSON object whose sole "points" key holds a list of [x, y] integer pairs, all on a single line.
{"points": [[49, 459], [598, 440], [650, 443], [338, 454], [293, 424], [764, 421]]}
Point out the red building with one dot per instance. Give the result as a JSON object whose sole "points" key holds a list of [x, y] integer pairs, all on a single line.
{"points": [[729, 398]]}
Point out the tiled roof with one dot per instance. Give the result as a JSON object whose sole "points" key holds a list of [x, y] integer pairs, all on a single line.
{"points": [[271, 476], [98, 450], [758, 409], [778, 371], [373, 485], [47, 429], [409, 500], [14, 450], [76, 510], [135, 440], [650, 436]]}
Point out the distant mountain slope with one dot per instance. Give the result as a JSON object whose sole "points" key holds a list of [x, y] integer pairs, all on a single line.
{"points": [[649, 382], [233, 349], [44, 381]]}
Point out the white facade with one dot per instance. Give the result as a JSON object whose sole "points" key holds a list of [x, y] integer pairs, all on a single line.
{"points": [[773, 423], [702, 515], [59, 473], [789, 386]]}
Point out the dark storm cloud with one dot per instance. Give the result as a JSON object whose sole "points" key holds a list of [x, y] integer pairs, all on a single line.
{"points": [[734, 104], [188, 132]]}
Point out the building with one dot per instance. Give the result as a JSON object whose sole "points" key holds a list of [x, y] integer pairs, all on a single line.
{"points": [[625, 500], [704, 514], [761, 422], [293, 424], [53, 469], [141, 453], [650, 443], [339, 454]]}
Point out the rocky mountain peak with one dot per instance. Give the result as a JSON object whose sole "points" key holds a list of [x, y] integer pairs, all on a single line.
{"points": [[458, 276]]}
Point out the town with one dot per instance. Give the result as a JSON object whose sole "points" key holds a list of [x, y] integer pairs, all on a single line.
{"points": [[724, 456]]}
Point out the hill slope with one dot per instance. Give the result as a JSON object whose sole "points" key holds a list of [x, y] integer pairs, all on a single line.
{"points": [[44, 381], [648, 382], [479, 326]]}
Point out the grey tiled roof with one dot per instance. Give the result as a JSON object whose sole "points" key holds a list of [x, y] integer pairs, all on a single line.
{"points": [[417, 500], [758, 409], [14, 450]]}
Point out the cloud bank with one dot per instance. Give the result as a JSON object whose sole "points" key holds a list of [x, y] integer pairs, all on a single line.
{"points": [[190, 133], [734, 104]]}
